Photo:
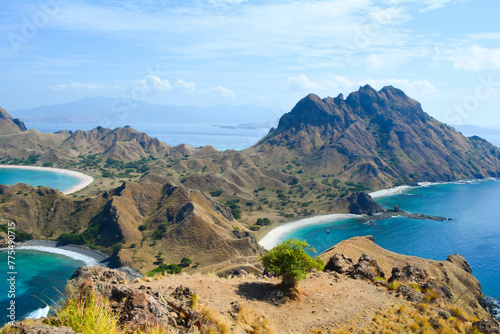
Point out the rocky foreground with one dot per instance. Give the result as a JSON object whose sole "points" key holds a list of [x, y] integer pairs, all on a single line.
{"points": [[378, 291]]}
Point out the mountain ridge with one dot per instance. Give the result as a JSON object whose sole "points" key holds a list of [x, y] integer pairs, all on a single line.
{"points": [[385, 133]]}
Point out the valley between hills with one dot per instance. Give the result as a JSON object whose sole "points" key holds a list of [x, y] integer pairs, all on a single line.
{"points": [[153, 198], [154, 204]]}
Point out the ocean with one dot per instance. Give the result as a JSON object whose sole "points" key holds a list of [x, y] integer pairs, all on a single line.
{"points": [[474, 230], [39, 282], [63, 182]]}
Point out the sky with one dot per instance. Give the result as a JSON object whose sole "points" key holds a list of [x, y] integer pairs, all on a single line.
{"points": [[443, 53]]}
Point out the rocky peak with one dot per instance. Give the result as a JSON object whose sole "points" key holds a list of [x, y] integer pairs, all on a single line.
{"points": [[9, 125]]}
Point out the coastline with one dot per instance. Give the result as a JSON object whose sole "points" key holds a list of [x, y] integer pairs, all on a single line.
{"points": [[85, 179], [88, 256], [273, 237]]}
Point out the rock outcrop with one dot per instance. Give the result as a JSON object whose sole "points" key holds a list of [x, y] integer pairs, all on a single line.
{"points": [[9, 125], [449, 280]]}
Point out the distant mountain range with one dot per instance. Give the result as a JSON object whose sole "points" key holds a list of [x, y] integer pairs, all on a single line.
{"points": [[121, 112]]}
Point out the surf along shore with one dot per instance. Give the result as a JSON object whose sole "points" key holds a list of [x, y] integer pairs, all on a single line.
{"points": [[85, 179]]}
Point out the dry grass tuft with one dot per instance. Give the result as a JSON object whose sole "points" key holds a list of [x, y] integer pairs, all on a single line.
{"points": [[253, 321]]}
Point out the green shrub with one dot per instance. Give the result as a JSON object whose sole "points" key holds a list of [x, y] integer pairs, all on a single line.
{"points": [[185, 262], [160, 231], [116, 248], [254, 228], [72, 238], [263, 222], [236, 213], [142, 227], [216, 193], [165, 268], [291, 261]]}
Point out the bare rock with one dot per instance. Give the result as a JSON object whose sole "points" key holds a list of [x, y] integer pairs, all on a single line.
{"points": [[459, 260], [486, 326], [367, 267], [409, 274], [362, 203], [36, 328], [411, 294], [98, 274], [339, 263], [141, 311]]}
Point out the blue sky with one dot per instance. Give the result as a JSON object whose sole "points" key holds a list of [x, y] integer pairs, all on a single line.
{"points": [[444, 53]]}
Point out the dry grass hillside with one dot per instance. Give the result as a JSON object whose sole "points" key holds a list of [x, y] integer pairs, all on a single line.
{"points": [[330, 302], [144, 224]]}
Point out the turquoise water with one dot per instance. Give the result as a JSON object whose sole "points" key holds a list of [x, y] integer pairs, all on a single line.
{"points": [[40, 280], [63, 182], [474, 231]]}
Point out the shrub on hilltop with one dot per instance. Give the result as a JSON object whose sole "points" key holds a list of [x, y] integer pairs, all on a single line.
{"points": [[291, 261]]}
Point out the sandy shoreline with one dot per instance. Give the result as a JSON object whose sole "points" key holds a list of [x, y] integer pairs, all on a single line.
{"points": [[273, 237], [85, 179], [87, 255]]}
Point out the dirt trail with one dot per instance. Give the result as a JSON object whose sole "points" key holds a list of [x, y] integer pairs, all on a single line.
{"points": [[328, 301]]}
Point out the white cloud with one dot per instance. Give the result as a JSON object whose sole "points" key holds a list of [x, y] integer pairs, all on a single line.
{"points": [[485, 35], [434, 4], [223, 92], [373, 62], [303, 83], [346, 85], [477, 58], [77, 87], [185, 86], [154, 84]]}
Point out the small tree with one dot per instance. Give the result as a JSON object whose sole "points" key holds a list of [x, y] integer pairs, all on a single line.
{"points": [[291, 261]]}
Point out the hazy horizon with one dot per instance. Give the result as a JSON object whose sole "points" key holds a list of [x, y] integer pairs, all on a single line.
{"points": [[442, 53]]}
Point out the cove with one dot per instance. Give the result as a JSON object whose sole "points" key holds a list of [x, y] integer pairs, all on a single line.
{"points": [[64, 180], [474, 230]]}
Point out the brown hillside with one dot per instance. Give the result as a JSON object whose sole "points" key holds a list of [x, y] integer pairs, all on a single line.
{"points": [[378, 138], [174, 220], [10, 125]]}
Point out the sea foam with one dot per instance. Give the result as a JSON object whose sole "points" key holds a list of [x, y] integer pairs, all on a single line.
{"points": [[75, 256], [38, 313]]}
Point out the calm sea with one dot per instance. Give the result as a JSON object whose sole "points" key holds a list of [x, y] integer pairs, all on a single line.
{"points": [[63, 182], [474, 231]]}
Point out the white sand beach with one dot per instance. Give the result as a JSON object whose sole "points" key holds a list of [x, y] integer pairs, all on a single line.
{"points": [[388, 192], [87, 260], [87, 255], [85, 179], [274, 236]]}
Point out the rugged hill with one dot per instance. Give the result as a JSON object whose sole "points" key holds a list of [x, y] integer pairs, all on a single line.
{"points": [[146, 219], [378, 138], [334, 301], [123, 144], [10, 125]]}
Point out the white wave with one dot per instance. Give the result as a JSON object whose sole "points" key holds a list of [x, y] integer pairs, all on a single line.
{"points": [[74, 255], [273, 237], [38, 313], [388, 192]]}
